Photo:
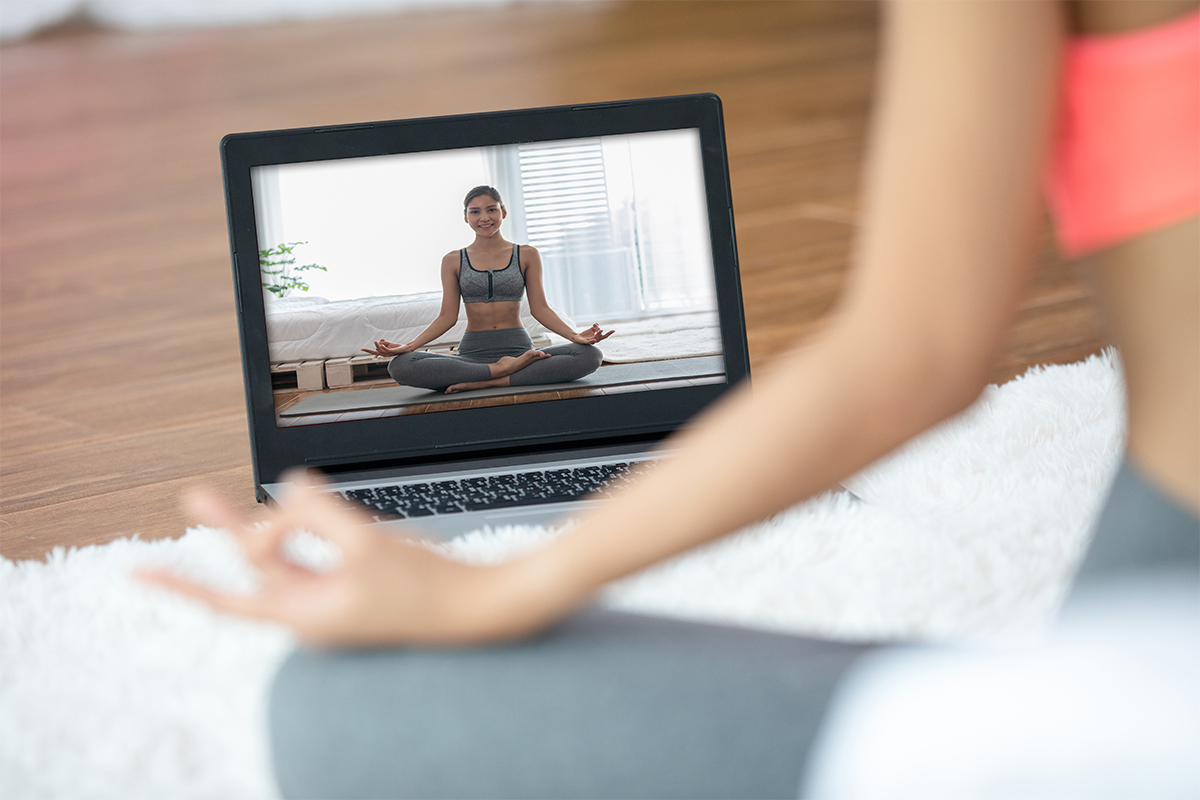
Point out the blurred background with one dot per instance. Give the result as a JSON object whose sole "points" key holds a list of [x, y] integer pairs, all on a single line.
{"points": [[120, 378], [21, 18]]}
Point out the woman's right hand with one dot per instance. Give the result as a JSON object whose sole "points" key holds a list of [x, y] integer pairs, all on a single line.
{"points": [[386, 590], [385, 348]]}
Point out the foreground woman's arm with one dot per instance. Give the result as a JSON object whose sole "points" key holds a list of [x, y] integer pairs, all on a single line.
{"points": [[951, 224], [951, 228]]}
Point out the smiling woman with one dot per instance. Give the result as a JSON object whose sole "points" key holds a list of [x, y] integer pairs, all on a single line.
{"points": [[496, 349], [607, 230]]}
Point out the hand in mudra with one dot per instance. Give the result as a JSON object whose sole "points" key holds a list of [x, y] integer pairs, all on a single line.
{"points": [[385, 348], [591, 336], [386, 590]]}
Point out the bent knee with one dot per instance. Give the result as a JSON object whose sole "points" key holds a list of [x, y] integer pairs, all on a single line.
{"points": [[400, 367], [590, 356]]}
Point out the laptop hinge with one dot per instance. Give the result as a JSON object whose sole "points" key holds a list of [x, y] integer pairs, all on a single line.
{"points": [[365, 464]]}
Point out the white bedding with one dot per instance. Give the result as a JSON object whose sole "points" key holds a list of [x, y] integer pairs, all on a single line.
{"points": [[313, 328]]}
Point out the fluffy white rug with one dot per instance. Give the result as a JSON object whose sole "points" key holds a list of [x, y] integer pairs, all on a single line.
{"points": [[112, 689]]}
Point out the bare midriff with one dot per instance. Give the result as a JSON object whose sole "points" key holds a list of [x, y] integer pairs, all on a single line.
{"points": [[493, 316], [1148, 288]]}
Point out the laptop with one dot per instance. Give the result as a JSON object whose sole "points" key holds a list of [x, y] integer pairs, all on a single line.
{"points": [[337, 234]]}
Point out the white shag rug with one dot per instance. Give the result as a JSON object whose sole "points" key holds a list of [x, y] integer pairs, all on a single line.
{"points": [[109, 688]]}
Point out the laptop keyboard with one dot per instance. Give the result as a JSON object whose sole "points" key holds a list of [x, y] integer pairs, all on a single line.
{"points": [[412, 500]]}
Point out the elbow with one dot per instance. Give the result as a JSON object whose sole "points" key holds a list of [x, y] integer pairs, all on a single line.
{"points": [[958, 373], [927, 374], [948, 372]]}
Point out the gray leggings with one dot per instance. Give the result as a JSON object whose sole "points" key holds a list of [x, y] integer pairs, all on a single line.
{"points": [[606, 705], [610, 704], [567, 362], [1140, 530]]}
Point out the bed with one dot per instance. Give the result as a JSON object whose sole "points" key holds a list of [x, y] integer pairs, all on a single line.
{"points": [[315, 343], [305, 328]]}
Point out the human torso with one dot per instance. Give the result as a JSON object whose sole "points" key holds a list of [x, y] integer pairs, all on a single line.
{"points": [[491, 285], [1147, 286]]}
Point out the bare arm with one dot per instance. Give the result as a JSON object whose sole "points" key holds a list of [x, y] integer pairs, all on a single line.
{"points": [[952, 212], [445, 320]]}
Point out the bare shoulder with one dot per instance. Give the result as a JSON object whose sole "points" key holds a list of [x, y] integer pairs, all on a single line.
{"points": [[451, 260], [530, 255]]}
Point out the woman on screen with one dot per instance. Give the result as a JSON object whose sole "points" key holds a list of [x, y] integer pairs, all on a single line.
{"points": [[490, 276]]}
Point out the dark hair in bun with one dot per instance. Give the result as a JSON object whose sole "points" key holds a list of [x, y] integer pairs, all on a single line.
{"points": [[490, 191]]}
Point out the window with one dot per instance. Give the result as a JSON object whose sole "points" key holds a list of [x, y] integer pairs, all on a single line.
{"points": [[620, 222]]}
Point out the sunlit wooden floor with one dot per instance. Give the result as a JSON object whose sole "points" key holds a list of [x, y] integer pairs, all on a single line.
{"points": [[120, 382]]}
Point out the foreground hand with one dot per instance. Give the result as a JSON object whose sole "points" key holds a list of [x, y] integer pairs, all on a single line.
{"points": [[591, 336], [385, 348], [387, 590]]}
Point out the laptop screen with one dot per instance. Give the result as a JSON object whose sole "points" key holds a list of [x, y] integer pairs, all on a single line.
{"points": [[350, 253], [353, 227]]}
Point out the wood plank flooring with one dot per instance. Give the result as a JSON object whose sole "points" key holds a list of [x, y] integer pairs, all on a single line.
{"points": [[119, 369]]}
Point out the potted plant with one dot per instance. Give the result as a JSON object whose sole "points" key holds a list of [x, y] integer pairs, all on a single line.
{"points": [[278, 275]]}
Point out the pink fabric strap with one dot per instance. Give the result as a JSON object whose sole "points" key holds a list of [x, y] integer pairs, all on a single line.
{"points": [[1126, 159]]}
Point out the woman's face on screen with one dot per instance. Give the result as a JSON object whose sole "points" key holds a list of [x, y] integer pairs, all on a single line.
{"points": [[484, 215]]}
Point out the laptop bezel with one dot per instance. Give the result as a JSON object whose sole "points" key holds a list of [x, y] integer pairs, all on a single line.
{"points": [[551, 426]]}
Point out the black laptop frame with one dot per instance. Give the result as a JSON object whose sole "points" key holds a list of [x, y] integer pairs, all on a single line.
{"points": [[545, 427]]}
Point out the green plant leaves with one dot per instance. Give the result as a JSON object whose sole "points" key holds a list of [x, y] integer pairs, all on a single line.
{"points": [[275, 264]]}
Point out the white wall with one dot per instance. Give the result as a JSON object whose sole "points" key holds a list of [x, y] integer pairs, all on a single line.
{"points": [[379, 225]]}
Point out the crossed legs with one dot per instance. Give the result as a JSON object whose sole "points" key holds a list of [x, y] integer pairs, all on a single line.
{"points": [[559, 364], [606, 705]]}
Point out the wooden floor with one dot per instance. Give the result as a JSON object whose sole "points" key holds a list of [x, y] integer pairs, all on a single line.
{"points": [[120, 382]]}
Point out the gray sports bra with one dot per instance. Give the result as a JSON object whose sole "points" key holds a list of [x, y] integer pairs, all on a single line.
{"points": [[491, 285]]}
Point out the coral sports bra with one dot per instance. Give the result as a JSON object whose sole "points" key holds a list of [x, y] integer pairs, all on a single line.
{"points": [[491, 285], [1126, 159]]}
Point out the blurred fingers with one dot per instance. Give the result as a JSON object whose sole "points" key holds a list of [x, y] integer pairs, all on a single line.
{"points": [[303, 507], [260, 545], [325, 514], [211, 509], [243, 605]]}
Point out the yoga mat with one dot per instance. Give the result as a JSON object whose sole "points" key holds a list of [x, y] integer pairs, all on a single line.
{"points": [[395, 396]]}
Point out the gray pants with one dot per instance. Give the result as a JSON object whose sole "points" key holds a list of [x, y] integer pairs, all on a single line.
{"points": [[1140, 530], [610, 704], [567, 362], [607, 705]]}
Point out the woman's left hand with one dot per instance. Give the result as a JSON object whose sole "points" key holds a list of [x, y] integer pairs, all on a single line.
{"points": [[385, 348], [591, 336]]}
